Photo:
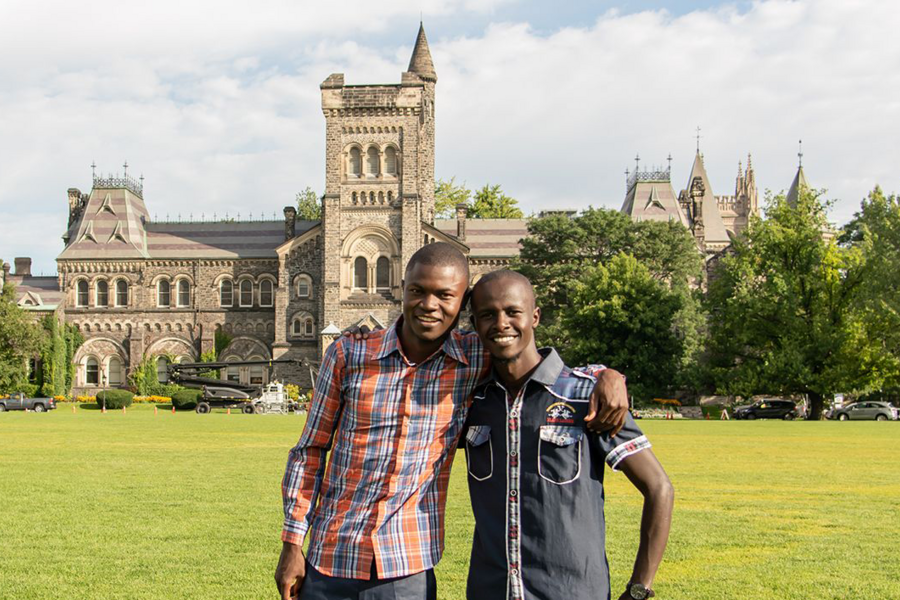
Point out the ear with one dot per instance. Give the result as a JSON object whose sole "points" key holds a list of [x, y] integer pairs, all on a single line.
{"points": [[537, 317]]}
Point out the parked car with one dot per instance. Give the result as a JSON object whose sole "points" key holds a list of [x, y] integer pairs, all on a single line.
{"points": [[18, 401], [768, 409], [878, 411]]}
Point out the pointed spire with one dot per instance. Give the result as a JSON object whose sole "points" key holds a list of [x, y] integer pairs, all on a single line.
{"points": [[799, 183], [420, 63], [749, 163], [740, 170]]}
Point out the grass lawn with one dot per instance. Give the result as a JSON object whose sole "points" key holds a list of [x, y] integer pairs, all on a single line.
{"points": [[145, 506]]}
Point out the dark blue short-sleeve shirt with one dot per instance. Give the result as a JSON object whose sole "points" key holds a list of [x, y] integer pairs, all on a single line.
{"points": [[536, 486]]}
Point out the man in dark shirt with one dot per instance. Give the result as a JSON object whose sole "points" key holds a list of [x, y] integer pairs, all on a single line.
{"points": [[536, 473]]}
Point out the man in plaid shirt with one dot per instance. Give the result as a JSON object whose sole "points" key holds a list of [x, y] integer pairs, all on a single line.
{"points": [[390, 409]]}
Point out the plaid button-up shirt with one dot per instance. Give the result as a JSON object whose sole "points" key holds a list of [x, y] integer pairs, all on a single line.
{"points": [[392, 427]]}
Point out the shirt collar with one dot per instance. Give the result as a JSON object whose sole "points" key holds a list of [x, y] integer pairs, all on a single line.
{"points": [[390, 343], [546, 373]]}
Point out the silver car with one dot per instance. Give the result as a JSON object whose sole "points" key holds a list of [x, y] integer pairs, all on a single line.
{"points": [[878, 411]]}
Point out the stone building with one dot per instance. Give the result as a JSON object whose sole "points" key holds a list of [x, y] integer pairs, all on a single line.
{"points": [[713, 220], [139, 288]]}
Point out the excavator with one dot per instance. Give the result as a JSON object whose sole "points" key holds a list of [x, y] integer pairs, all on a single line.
{"points": [[248, 398]]}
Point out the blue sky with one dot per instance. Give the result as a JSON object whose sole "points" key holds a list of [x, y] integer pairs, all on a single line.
{"points": [[217, 103]]}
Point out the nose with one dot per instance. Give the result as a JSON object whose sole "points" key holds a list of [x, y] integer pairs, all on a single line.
{"points": [[429, 302], [502, 321]]}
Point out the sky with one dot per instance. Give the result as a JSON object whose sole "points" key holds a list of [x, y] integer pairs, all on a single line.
{"points": [[217, 102]]}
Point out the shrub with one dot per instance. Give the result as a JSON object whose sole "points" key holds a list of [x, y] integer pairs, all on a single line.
{"points": [[186, 399], [292, 391], [115, 398]]}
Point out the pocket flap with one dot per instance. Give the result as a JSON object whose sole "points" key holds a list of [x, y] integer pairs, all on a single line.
{"points": [[561, 435], [478, 434]]}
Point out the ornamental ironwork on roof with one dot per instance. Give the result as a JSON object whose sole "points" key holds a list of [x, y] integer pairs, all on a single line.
{"points": [[135, 186], [657, 174]]}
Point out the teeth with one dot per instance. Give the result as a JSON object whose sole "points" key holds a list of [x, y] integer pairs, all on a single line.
{"points": [[503, 339]]}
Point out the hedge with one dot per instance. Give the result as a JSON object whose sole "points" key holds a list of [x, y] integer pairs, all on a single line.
{"points": [[115, 398], [186, 399]]}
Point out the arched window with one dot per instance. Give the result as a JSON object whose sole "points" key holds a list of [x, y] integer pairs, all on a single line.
{"points": [[163, 293], [226, 293], [383, 273], [102, 298], [121, 293], [308, 326], [355, 166], [115, 371], [360, 273], [246, 293], [303, 326], [304, 286], [390, 161], [184, 292], [297, 327], [162, 372], [81, 295], [372, 162], [91, 371], [233, 374], [265, 293], [257, 372]]}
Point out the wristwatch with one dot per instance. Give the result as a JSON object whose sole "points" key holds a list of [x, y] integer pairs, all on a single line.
{"points": [[637, 591]]}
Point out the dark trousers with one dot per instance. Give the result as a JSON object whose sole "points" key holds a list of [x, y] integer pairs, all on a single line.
{"points": [[419, 586]]}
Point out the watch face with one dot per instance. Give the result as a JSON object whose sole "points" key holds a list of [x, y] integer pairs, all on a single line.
{"points": [[637, 591]]}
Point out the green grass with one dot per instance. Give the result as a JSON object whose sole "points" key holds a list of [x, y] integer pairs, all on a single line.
{"points": [[146, 506]]}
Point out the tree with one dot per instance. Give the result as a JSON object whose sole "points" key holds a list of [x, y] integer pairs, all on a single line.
{"points": [[60, 341], [491, 203], [620, 314], [447, 195], [561, 254], [309, 207], [20, 340], [784, 309], [875, 231]]}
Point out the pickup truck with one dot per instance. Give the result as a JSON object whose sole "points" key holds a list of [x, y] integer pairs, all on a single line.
{"points": [[18, 401]]}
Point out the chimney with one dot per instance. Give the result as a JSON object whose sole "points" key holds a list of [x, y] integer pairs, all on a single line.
{"points": [[5, 275], [23, 266], [290, 222], [462, 209]]}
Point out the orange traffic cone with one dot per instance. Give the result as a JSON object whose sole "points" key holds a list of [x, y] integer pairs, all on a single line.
{"points": [[155, 410], [229, 411], [173, 409]]}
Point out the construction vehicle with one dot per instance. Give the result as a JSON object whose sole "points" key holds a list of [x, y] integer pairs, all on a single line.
{"points": [[218, 393]]}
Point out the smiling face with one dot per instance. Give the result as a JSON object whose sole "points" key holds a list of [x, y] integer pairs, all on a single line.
{"points": [[432, 298], [505, 317]]}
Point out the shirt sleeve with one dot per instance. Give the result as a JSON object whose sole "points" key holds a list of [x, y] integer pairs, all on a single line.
{"points": [[630, 440], [306, 461]]}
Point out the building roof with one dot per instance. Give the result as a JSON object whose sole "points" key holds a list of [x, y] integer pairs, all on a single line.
{"points": [[653, 200], [111, 224], [231, 239], [37, 293], [489, 238], [799, 182], [420, 62], [115, 225], [714, 231]]}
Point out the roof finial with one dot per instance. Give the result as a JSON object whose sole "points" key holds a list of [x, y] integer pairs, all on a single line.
{"points": [[125, 166], [670, 162], [93, 169], [698, 139], [637, 162], [800, 154]]}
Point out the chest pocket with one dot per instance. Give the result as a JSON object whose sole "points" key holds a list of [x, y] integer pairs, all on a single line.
{"points": [[479, 452], [559, 453]]}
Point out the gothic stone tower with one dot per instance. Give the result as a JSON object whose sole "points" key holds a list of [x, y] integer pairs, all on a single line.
{"points": [[379, 190]]}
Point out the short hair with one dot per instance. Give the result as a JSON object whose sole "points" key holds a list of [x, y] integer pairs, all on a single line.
{"points": [[440, 254], [504, 274]]}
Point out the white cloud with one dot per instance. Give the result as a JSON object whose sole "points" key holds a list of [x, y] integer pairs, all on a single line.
{"points": [[219, 105]]}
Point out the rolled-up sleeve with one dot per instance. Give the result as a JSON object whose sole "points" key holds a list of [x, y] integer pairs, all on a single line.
{"points": [[628, 441], [306, 461]]}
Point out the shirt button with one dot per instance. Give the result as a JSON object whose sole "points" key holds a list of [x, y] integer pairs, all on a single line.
{"points": [[513, 493], [514, 413], [513, 453], [515, 572]]}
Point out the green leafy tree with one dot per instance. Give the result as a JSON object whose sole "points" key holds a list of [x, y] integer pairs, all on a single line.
{"points": [[784, 309], [491, 203], [309, 206], [875, 231], [447, 194], [20, 340], [620, 314], [562, 253]]}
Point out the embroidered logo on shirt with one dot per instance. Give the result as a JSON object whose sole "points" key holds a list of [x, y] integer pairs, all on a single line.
{"points": [[560, 413]]}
